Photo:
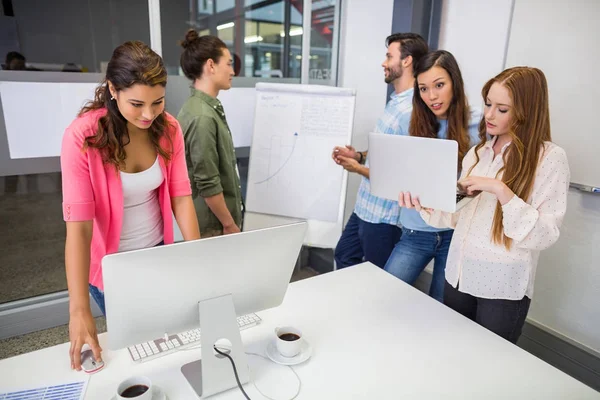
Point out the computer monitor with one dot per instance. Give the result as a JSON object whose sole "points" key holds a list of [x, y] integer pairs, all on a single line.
{"points": [[206, 282]]}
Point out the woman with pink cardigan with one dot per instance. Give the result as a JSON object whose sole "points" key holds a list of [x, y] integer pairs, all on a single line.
{"points": [[123, 174]]}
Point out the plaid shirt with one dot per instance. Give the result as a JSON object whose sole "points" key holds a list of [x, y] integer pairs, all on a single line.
{"points": [[394, 121]]}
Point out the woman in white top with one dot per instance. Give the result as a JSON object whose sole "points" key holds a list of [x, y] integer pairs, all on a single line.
{"points": [[520, 181]]}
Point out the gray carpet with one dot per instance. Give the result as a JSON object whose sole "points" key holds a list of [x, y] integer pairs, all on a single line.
{"points": [[32, 234]]}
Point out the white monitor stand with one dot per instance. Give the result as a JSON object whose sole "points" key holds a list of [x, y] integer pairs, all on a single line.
{"points": [[213, 373], [207, 281]]}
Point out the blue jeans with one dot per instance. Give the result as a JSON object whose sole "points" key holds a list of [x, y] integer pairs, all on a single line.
{"points": [[364, 241], [98, 295], [414, 251]]}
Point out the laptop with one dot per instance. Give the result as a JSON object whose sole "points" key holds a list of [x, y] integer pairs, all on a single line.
{"points": [[425, 167]]}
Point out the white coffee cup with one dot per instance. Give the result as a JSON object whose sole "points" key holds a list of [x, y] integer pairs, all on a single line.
{"points": [[290, 347], [130, 384]]}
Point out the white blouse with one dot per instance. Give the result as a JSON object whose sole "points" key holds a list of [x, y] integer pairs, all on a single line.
{"points": [[142, 217], [475, 263]]}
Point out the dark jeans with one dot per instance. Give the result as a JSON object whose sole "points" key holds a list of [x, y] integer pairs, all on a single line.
{"points": [[364, 241], [414, 251], [503, 317], [98, 295]]}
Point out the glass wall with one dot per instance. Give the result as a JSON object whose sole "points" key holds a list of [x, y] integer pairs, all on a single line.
{"points": [[79, 37], [322, 41], [265, 37], [72, 35], [64, 36]]}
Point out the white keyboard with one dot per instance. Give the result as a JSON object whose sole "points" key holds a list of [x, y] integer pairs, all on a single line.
{"points": [[160, 347]]}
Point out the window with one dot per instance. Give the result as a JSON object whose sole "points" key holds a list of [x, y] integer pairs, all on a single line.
{"points": [[76, 36], [265, 36], [323, 41], [64, 36]]}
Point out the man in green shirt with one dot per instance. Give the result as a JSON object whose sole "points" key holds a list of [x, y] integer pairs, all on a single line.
{"points": [[210, 154]]}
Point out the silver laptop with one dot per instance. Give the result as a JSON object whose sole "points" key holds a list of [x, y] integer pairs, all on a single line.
{"points": [[427, 168]]}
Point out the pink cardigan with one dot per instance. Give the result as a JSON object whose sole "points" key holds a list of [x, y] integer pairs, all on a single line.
{"points": [[92, 189]]}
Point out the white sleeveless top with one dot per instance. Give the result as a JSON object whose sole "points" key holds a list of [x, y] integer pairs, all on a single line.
{"points": [[142, 218]]}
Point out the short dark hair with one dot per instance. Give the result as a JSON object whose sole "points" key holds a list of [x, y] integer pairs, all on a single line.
{"points": [[197, 51], [411, 44]]}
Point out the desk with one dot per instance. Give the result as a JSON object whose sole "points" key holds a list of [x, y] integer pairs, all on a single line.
{"points": [[373, 337]]}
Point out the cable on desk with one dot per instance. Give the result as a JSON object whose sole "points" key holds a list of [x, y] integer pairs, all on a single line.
{"points": [[253, 381], [289, 366], [237, 378]]}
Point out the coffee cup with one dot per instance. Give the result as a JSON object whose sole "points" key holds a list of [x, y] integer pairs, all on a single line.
{"points": [[289, 341], [136, 387]]}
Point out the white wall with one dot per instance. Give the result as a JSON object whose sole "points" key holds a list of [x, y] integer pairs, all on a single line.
{"points": [[567, 284], [482, 25], [364, 27]]}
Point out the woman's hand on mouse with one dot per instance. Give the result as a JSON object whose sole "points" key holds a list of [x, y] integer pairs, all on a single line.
{"points": [[82, 330]]}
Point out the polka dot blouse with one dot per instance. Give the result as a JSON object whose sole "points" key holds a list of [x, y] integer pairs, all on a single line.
{"points": [[478, 266]]}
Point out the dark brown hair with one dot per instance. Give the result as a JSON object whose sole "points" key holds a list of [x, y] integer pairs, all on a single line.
{"points": [[131, 63], [197, 51], [411, 44], [529, 129], [423, 121]]}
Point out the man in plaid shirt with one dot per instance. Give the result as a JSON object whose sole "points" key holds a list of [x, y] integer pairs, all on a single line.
{"points": [[373, 229]]}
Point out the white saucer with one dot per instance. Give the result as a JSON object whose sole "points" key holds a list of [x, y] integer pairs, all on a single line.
{"points": [[275, 356], [157, 395]]}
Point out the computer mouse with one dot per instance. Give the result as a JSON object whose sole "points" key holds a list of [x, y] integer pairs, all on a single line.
{"points": [[88, 362]]}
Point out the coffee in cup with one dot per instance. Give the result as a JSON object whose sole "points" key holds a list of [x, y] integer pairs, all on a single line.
{"points": [[289, 341], [136, 387]]}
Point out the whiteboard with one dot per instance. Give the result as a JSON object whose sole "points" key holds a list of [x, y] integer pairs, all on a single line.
{"points": [[291, 174], [36, 115], [238, 104], [561, 39]]}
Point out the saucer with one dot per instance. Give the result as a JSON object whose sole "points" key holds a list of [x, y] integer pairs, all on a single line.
{"points": [[157, 395], [275, 356]]}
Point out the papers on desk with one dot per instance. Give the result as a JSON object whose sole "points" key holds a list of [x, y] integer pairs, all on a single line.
{"points": [[65, 391]]}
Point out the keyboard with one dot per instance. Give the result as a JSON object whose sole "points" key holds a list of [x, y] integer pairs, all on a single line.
{"points": [[160, 347]]}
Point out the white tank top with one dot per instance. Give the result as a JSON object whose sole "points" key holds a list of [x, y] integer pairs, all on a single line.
{"points": [[142, 217]]}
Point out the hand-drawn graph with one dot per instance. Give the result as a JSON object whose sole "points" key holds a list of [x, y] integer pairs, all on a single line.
{"points": [[278, 170], [291, 171]]}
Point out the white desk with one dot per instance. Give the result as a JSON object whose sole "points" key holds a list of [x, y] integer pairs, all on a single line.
{"points": [[373, 337]]}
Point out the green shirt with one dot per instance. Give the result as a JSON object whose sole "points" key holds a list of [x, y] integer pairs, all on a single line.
{"points": [[210, 158]]}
